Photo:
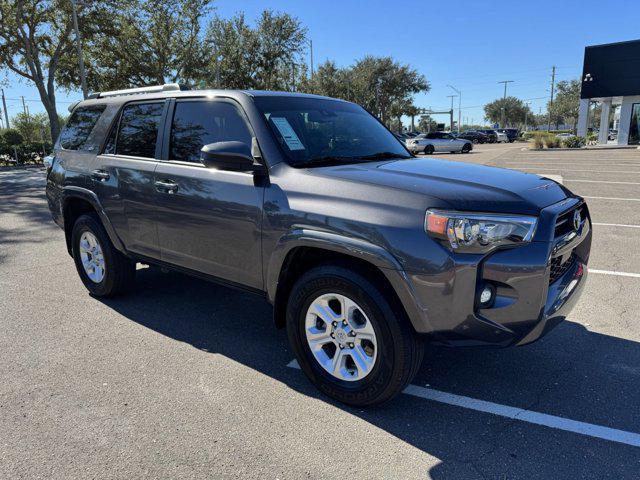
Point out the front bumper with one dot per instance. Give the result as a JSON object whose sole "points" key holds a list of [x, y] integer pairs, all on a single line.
{"points": [[536, 286]]}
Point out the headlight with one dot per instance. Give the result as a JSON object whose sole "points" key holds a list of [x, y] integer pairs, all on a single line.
{"points": [[467, 232]]}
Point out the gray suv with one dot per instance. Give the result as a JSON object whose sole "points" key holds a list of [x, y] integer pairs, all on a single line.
{"points": [[364, 251]]}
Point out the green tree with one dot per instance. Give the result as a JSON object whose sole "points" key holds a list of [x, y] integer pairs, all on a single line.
{"points": [[36, 43], [12, 137], [427, 124], [142, 42], [566, 103], [380, 84], [514, 110], [269, 56], [31, 127]]}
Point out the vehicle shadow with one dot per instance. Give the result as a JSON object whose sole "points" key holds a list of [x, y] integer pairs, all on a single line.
{"points": [[573, 373]]}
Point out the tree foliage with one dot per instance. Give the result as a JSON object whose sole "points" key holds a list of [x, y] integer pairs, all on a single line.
{"points": [[269, 56], [144, 42], [36, 42], [515, 111], [566, 103], [380, 84]]}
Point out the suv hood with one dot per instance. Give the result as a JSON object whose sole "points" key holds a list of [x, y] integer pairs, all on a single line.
{"points": [[463, 186]]}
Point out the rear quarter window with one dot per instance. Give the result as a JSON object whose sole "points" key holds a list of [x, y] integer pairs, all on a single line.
{"points": [[80, 125]]}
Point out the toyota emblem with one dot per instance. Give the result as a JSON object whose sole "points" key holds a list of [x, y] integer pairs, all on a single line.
{"points": [[576, 220]]}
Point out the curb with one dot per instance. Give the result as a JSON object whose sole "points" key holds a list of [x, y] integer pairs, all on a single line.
{"points": [[8, 168]]}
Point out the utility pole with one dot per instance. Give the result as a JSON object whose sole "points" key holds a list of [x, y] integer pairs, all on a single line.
{"points": [[504, 98], [451, 111], [311, 51], [24, 106], [459, 103], [83, 78], [4, 107], [553, 84]]}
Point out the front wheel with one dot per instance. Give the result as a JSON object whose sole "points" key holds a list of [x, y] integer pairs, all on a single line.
{"points": [[475, 141], [348, 338], [428, 150], [104, 271], [466, 148]]}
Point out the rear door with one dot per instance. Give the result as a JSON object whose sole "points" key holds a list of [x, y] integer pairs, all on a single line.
{"points": [[208, 220], [124, 176]]}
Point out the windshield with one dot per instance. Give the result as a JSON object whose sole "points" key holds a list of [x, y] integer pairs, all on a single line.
{"points": [[317, 131]]}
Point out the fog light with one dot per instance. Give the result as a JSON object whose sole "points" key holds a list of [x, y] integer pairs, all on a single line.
{"points": [[486, 295]]}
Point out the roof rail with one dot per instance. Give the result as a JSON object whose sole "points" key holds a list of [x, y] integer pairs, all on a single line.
{"points": [[167, 87]]}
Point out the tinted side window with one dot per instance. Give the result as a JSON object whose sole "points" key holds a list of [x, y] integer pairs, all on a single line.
{"points": [[79, 126], [138, 130], [196, 124]]}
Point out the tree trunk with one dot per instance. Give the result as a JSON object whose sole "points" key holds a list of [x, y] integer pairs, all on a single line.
{"points": [[49, 102]]}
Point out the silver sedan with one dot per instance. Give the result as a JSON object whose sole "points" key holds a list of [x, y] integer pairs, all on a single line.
{"points": [[438, 142]]}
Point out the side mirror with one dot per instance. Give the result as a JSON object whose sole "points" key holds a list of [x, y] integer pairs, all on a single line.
{"points": [[234, 156]]}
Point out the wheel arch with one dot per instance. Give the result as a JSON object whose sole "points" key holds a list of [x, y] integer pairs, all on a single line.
{"points": [[77, 201], [302, 250]]}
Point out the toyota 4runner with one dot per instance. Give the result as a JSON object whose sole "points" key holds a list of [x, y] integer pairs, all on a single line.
{"points": [[364, 250]]}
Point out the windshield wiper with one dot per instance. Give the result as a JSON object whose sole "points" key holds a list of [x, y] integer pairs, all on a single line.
{"points": [[384, 156]]}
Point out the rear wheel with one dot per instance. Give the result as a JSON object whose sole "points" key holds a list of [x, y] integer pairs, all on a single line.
{"points": [[348, 339], [104, 271], [475, 140], [466, 148], [428, 149]]}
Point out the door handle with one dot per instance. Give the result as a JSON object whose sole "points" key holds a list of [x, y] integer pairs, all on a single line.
{"points": [[101, 175], [166, 186]]}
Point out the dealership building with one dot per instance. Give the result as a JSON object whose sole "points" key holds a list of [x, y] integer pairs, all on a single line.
{"points": [[611, 76]]}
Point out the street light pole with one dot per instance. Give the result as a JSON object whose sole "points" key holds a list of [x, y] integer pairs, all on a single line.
{"points": [[459, 103], [83, 77], [311, 52], [504, 98], [451, 111]]}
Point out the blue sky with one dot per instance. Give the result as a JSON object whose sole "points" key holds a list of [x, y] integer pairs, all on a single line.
{"points": [[469, 44]]}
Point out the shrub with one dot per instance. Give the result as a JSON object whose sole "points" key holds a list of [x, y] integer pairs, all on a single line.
{"points": [[551, 141], [574, 142], [11, 137], [537, 142]]}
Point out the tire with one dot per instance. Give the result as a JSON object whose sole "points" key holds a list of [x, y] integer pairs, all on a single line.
{"points": [[475, 141], [466, 148], [398, 350], [428, 150], [118, 272]]}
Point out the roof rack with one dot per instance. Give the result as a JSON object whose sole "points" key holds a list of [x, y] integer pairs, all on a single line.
{"points": [[167, 87]]}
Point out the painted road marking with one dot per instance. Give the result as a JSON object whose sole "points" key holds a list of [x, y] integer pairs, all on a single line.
{"points": [[603, 181], [581, 170], [616, 225], [614, 198], [611, 272], [524, 415]]}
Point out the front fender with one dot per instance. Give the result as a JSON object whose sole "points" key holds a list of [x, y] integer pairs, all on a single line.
{"points": [[357, 248]]}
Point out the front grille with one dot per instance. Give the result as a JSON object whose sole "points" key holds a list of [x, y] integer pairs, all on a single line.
{"points": [[564, 222], [559, 268]]}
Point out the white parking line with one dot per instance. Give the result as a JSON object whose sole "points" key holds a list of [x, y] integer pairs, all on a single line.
{"points": [[614, 198], [575, 164], [611, 272], [581, 170], [524, 415], [603, 181], [616, 225]]}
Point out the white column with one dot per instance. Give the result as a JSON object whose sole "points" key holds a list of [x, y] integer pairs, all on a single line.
{"points": [[603, 136], [583, 117], [625, 119]]}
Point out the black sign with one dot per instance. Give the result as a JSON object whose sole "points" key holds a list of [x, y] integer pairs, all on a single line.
{"points": [[611, 70]]}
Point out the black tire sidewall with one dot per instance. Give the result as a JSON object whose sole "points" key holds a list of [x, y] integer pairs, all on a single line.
{"points": [[429, 149], [89, 223], [376, 384]]}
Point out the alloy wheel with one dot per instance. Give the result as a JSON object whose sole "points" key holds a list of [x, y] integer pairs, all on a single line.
{"points": [[92, 257], [341, 337]]}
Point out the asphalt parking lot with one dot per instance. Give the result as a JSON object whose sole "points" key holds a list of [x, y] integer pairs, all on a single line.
{"points": [[184, 378]]}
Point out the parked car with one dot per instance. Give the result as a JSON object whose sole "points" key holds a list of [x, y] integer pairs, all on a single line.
{"points": [[474, 137], [564, 136], [511, 133], [432, 142], [613, 134], [492, 135], [364, 251]]}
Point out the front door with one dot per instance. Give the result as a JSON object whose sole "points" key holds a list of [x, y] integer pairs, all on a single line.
{"points": [[208, 220]]}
